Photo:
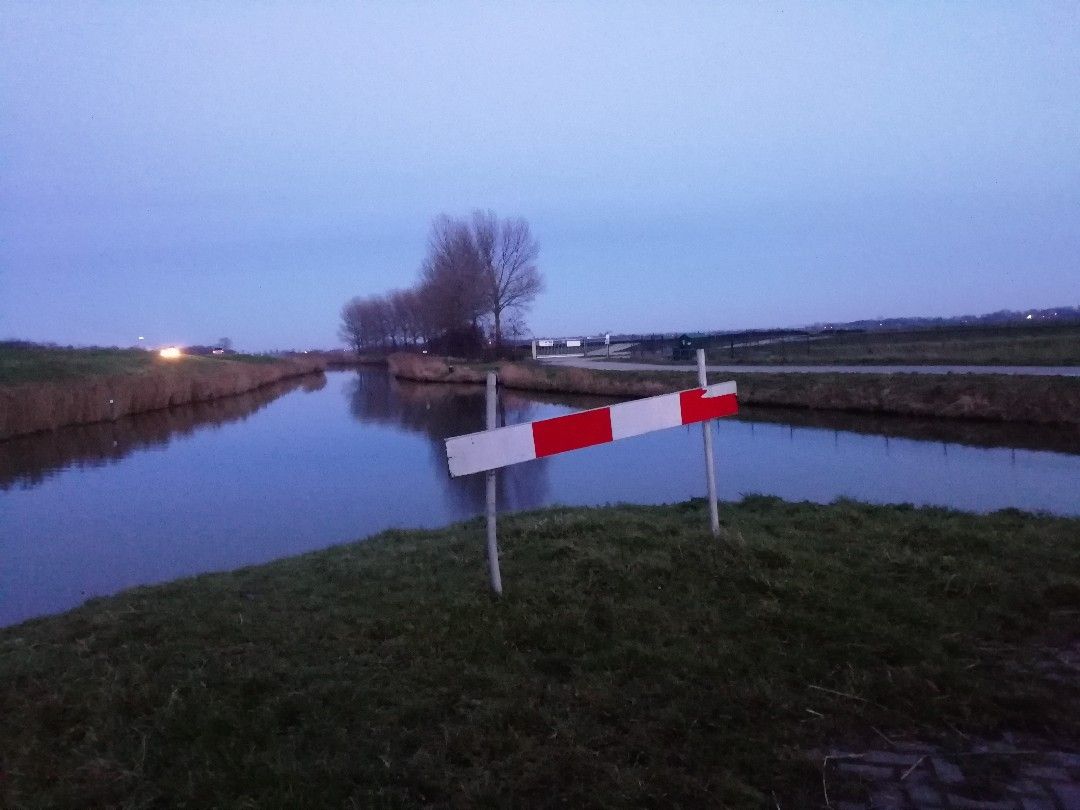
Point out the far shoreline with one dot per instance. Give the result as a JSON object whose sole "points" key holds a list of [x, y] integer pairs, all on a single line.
{"points": [[99, 385], [1047, 401]]}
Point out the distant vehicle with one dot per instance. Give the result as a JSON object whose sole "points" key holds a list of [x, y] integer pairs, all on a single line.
{"points": [[203, 351], [684, 348]]}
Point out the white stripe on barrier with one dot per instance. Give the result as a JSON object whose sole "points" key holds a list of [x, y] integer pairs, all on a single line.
{"points": [[721, 390], [490, 449], [644, 415]]}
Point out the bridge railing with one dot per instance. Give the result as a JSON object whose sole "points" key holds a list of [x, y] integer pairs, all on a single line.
{"points": [[559, 347]]}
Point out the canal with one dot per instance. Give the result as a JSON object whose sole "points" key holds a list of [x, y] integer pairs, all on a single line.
{"points": [[88, 511]]}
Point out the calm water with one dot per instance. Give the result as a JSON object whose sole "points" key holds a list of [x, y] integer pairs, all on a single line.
{"points": [[90, 511]]}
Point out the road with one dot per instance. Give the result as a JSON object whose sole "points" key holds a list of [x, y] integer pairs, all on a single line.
{"points": [[609, 365]]}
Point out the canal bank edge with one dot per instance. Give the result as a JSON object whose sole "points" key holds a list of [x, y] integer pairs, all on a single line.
{"points": [[986, 397], [32, 407], [633, 661]]}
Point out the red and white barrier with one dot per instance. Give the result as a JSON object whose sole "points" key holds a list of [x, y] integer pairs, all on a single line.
{"points": [[491, 449]]}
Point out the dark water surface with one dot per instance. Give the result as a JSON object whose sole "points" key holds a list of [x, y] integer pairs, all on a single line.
{"points": [[92, 510]]}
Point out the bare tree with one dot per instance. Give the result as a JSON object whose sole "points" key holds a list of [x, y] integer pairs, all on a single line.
{"points": [[507, 253], [367, 322], [381, 318], [514, 326], [406, 320], [415, 314], [353, 322], [453, 276]]}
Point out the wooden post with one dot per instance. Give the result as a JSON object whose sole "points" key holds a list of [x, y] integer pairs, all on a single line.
{"points": [[492, 540], [710, 470]]}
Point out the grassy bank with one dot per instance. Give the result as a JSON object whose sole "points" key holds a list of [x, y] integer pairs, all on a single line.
{"points": [[633, 661], [990, 397], [1002, 345], [22, 362], [43, 388]]}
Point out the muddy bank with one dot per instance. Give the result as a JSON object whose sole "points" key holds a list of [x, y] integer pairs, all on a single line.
{"points": [[32, 407], [987, 397]]}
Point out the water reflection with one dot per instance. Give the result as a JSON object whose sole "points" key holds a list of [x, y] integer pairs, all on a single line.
{"points": [[437, 412], [1058, 439], [27, 461]]}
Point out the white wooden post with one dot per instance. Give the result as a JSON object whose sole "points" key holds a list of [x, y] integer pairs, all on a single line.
{"points": [[710, 469], [534, 348], [492, 540]]}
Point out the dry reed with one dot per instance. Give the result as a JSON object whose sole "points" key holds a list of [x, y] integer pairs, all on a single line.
{"points": [[32, 407]]}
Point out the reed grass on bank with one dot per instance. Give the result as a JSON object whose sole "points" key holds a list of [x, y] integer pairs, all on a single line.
{"points": [[98, 385], [989, 397], [633, 662], [28, 459]]}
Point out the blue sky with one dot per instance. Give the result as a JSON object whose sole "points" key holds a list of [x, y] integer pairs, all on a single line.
{"points": [[195, 170]]}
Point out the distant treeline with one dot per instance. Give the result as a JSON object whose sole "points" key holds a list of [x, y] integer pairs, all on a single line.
{"points": [[1003, 317]]}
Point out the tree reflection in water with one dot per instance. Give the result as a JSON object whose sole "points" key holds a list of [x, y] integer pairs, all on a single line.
{"points": [[438, 411]]}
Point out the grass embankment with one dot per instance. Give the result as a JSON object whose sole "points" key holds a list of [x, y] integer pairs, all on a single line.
{"points": [[22, 362], [1003, 345], [42, 388], [633, 661], [991, 397]]}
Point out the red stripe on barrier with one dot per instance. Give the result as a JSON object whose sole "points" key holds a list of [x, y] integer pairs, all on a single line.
{"points": [[697, 408], [571, 432]]}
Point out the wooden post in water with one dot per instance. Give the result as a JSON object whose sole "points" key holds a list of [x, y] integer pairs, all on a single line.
{"points": [[710, 469], [492, 540]]}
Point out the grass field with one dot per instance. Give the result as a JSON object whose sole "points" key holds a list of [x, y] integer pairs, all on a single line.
{"points": [[29, 362], [1009, 346], [634, 661]]}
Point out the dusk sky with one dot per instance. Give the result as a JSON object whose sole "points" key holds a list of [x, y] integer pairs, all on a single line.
{"points": [[196, 170]]}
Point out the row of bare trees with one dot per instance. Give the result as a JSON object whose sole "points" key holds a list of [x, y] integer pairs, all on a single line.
{"points": [[394, 319], [479, 277]]}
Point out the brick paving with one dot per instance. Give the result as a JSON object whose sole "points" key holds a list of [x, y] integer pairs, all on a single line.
{"points": [[1008, 774]]}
